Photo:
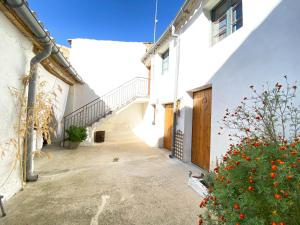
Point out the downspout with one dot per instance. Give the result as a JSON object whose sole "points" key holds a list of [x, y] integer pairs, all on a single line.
{"points": [[32, 89], [177, 39], [22, 10]]}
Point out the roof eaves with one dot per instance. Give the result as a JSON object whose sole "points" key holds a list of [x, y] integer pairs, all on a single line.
{"points": [[58, 56], [168, 31]]}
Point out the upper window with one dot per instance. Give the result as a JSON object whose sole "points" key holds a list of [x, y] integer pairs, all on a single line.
{"points": [[165, 62], [227, 17]]}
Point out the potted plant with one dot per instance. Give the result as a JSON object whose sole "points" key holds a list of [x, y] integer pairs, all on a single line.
{"points": [[76, 135]]}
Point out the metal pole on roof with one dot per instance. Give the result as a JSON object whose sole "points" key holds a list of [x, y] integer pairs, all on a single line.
{"points": [[155, 21]]}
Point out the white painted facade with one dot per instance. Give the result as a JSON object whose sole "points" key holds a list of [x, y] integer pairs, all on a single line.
{"points": [[16, 52], [104, 65], [264, 50]]}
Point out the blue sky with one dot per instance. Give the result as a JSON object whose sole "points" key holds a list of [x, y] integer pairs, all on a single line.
{"points": [[122, 20]]}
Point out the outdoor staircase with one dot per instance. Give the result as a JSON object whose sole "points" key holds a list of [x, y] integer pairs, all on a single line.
{"points": [[103, 106]]}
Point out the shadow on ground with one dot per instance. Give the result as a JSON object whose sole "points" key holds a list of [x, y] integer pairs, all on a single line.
{"points": [[89, 186]]}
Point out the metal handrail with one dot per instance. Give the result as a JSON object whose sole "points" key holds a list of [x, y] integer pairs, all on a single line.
{"points": [[142, 78], [107, 103]]}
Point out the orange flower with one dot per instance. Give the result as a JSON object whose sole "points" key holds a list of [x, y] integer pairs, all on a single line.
{"points": [[274, 167], [293, 144], [294, 165], [242, 216], [236, 206], [273, 175], [282, 148], [293, 152], [277, 196]]}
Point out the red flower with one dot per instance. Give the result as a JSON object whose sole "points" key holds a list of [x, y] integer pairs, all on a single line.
{"points": [[248, 158], [236, 152], [201, 221], [294, 165], [250, 188], [222, 218], [251, 181], [277, 196], [216, 169], [237, 163], [230, 167], [256, 144], [273, 223], [281, 223], [274, 167], [273, 175], [282, 148], [242, 216], [236, 206], [294, 152]]}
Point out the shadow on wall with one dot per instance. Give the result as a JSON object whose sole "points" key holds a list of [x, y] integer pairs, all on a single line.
{"points": [[79, 95], [269, 52]]}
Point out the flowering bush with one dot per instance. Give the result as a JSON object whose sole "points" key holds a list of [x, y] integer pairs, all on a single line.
{"points": [[258, 181]]}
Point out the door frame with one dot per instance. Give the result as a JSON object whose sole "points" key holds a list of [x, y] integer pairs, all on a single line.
{"points": [[165, 104], [192, 92]]}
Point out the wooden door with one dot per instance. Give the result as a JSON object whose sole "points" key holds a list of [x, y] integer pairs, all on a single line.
{"points": [[168, 126], [201, 128]]}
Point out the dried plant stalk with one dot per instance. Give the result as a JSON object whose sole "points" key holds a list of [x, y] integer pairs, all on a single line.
{"points": [[43, 116]]}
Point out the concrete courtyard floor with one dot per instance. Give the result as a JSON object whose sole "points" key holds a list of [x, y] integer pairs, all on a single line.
{"points": [[114, 183]]}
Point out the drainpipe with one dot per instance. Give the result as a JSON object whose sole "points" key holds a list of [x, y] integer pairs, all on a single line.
{"points": [[177, 39], [22, 10], [32, 89]]}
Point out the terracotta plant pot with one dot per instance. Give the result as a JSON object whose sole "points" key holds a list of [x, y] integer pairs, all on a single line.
{"points": [[74, 145]]}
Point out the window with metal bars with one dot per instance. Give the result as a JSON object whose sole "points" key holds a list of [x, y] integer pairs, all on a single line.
{"points": [[227, 17]]}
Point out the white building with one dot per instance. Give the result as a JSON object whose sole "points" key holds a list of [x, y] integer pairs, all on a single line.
{"points": [[218, 48], [104, 65], [19, 44]]}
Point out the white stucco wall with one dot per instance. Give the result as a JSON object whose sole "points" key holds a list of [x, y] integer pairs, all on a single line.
{"points": [[263, 50], [16, 53], [104, 65], [122, 125], [61, 89]]}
